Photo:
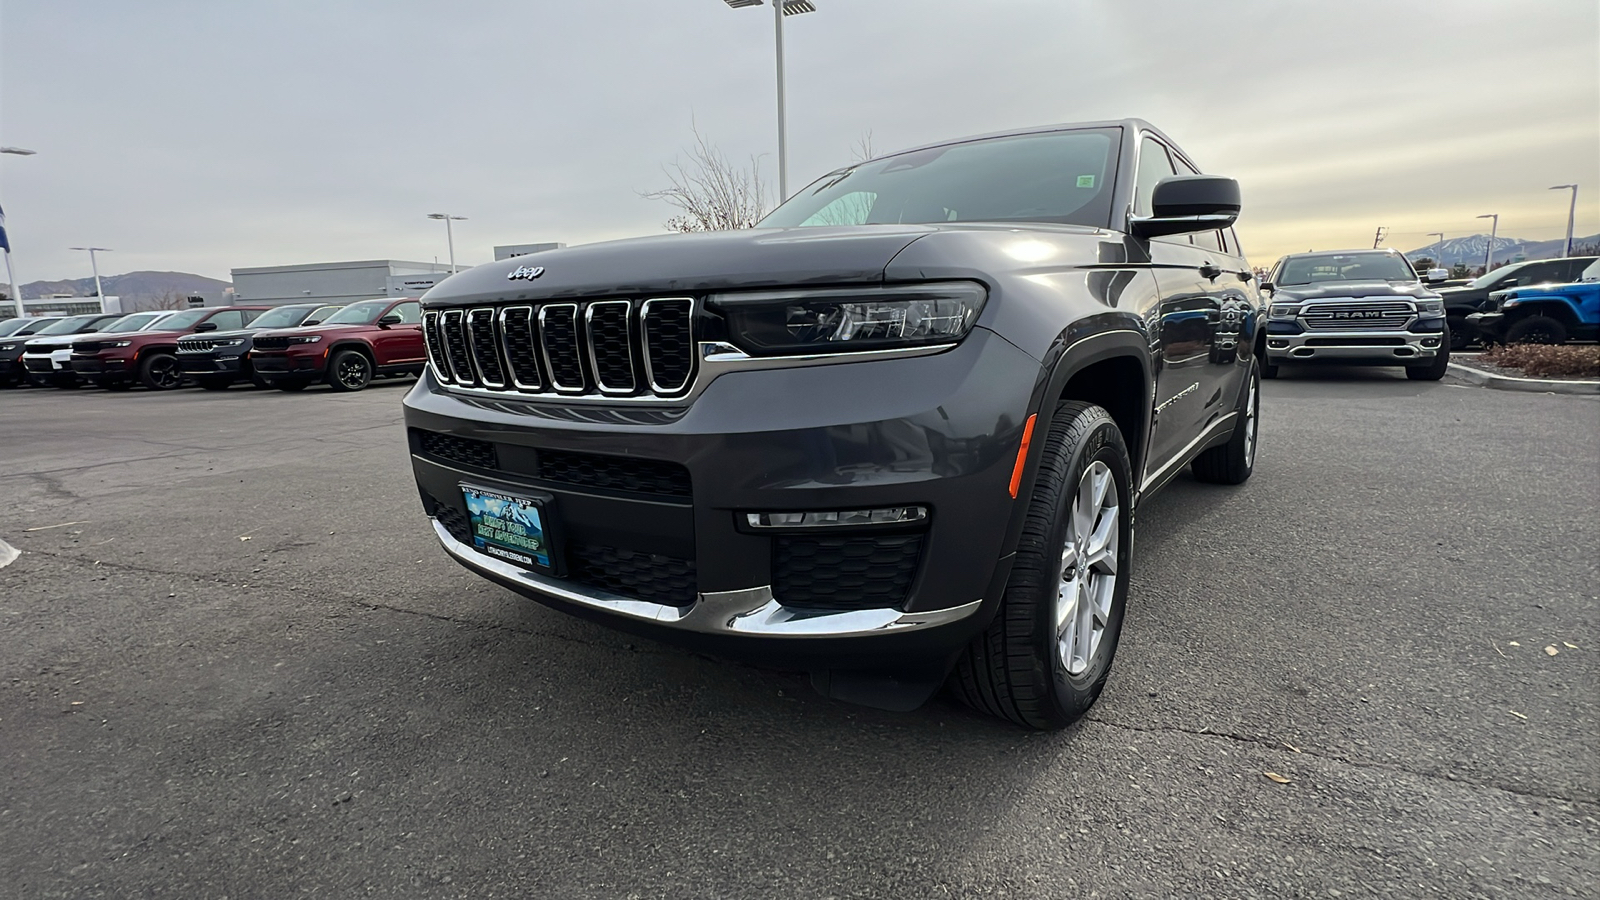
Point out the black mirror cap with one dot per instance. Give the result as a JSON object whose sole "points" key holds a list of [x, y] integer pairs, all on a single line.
{"points": [[205, 326], [390, 319], [1195, 195], [310, 322]]}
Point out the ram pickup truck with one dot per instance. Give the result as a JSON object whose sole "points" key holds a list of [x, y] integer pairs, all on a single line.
{"points": [[1544, 313], [896, 433], [1354, 307], [150, 358], [216, 359]]}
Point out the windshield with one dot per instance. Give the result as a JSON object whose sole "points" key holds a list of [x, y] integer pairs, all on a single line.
{"points": [[131, 323], [364, 313], [186, 319], [11, 326], [34, 326], [1488, 279], [1062, 176], [68, 325], [282, 317], [1346, 267]]}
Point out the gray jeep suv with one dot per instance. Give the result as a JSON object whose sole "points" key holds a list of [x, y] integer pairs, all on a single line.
{"points": [[895, 435]]}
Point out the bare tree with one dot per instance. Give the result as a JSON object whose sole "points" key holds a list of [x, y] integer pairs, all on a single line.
{"points": [[712, 193], [168, 300], [862, 151]]}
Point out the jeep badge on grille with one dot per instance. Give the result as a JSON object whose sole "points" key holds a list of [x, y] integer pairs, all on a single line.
{"points": [[528, 273]]}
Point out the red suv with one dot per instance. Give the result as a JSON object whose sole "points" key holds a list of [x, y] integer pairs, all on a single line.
{"points": [[115, 361], [350, 347]]}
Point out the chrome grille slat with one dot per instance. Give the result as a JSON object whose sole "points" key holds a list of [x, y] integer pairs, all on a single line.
{"points": [[516, 335], [483, 346], [558, 338], [666, 326], [434, 338], [610, 346], [452, 325], [1377, 315], [590, 349]]}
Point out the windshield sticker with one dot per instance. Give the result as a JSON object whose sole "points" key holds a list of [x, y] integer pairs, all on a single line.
{"points": [[1086, 181]]}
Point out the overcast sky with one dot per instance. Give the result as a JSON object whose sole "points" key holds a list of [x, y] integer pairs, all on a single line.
{"points": [[202, 135]]}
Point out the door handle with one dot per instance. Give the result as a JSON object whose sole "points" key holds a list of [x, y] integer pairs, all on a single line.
{"points": [[1210, 270]]}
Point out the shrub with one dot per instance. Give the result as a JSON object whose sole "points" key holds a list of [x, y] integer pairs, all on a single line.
{"points": [[1543, 360]]}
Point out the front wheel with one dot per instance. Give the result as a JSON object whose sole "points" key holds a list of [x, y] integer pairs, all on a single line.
{"points": [[159, 372], [1461, 332], [349, 370], [1537, 330], [1433, 371], [1044, 659]]}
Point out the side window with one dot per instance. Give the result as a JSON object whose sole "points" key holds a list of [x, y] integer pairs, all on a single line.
{"points": [[410, 313], [227, 320], [1153, 166], [1572, 270]]}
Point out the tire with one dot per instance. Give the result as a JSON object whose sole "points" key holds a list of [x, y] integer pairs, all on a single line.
{"points": [[1537, 330], [349, 370], [1023, 667], [1232, 463], [1462, 334], [288, 384], [1434, 370], [159, 372]]}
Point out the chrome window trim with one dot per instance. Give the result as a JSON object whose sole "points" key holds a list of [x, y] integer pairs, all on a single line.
{"points": [[544, 348], [533, 346], [644, 344], [494, 341], [588, 341], [752, 611], [444, 338]]}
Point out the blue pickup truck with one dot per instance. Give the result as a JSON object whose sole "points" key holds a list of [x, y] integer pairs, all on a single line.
{"points": [[1545, 313]]}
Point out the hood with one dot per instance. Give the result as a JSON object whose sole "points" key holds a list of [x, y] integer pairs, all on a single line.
{"points": [[688, 264], [216, 335], [303, 329], [1346, 290]]}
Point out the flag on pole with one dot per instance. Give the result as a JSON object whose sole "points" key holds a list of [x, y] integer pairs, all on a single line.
{"points": [[4, 243]]}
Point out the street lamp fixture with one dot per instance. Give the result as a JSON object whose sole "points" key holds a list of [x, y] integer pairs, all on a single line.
{"points": [[780, 9], [1572, 211], [96, 267], [1438, 256], [17, 151], [1494, 228], [449, 236]]}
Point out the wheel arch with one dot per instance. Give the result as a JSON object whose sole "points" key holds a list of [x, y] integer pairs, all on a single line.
{"points": [[1560, 310], [360, 346]]}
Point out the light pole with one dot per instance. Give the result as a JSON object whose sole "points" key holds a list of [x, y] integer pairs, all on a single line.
{"points": [[5, 242], [96, 267], [449, 236], [1572, 211], [1438, 257], [780, 8], [1494, 228]]}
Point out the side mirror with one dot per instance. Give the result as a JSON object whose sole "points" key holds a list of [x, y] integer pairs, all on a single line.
{"points": [[1437, 275], [390, 319], [1187, 203], [1268, 286], [310, 322], [205, 326]]}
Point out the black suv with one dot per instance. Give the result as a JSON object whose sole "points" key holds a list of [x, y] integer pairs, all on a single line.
{"points": [[1463, 301], [898, 429], [217, 359]]}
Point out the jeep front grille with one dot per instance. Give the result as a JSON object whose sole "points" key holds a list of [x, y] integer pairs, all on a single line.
{"points": [[606, 348], [270, 343], [196, 346], [1348, 315]]}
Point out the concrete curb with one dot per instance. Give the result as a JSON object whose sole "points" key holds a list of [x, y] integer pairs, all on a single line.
{"points": [[1511, 383]]}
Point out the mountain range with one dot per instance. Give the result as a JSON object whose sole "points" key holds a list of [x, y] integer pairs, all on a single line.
{"points": [[137, 289], [1471, 250]]}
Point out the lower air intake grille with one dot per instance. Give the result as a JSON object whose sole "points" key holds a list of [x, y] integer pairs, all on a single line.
{"points": [[631, 573], [454, 521], [864, 572], [464, 450], [644, 476]]}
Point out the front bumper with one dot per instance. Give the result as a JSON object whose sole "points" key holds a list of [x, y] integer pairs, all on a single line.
{"points": [[938, 431], [1489, 324], [93, 366], [308, 364], [1394, 348], [209, 364]]}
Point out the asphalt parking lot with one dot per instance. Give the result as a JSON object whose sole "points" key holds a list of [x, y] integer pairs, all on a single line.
{"points": [[233, 663]]}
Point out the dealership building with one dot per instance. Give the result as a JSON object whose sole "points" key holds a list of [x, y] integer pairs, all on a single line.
{"points": [[335, 282]]}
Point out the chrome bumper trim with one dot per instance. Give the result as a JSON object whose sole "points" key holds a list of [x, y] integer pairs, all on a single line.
{"points": [[751, 612]]}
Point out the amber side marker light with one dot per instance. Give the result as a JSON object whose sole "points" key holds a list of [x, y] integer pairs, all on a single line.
{"points": [[1022, 455]]}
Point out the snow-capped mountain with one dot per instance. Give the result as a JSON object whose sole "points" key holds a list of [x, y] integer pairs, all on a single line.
{"points": [[1470, 250]]}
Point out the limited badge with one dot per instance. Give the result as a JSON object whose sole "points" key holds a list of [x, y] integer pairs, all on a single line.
{"points": [[527, 273]]}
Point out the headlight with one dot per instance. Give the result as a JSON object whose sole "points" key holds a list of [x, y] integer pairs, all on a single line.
{"points": [[1510, 302], [1432, 307], [1284, 310], [305, 338], [834, 320], [5, 347], [231, 343], [120, 344]]}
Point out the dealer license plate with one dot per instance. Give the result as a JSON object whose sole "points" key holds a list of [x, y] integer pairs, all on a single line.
{"points": [[511, 528]]}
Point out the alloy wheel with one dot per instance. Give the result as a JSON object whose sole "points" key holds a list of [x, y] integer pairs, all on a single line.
{"points": [[1088, 569], [353, 372], [164, 373], [1250, 422]]}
